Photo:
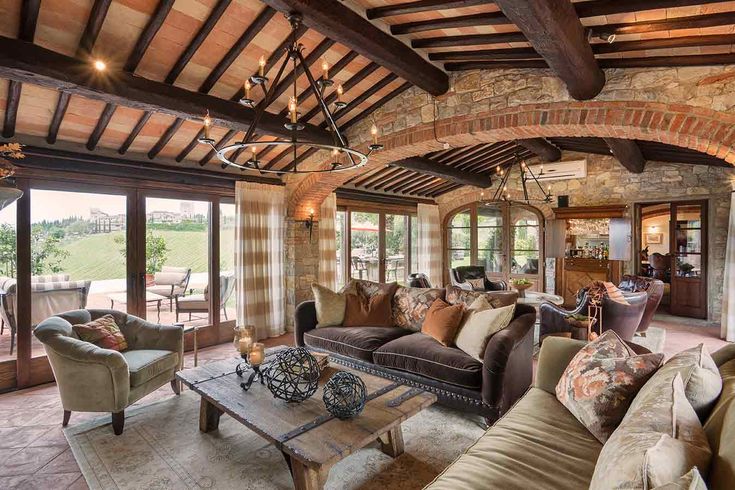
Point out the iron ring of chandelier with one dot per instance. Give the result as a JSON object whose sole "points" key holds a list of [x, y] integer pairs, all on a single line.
{"points": [[339, 147], [254, 164]]}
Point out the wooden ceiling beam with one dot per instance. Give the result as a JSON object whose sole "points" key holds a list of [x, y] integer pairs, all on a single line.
{"points": [[363, 180], [508, 147], [11, 108], [627, 153], [609, 7], [396, 180], [389, 176], [469, 40], [542, 148], [554, 30], [493, 159], [86, 44], [663, 43], [338, 22], [486, 55], [483, 19], [165, 138], [671, 24], [134, 133], [442, 190], [420, 6], [430, 167], [101, 125], [495, 65], [416, 181], [669, 61], [456, 158], [470, 164]]}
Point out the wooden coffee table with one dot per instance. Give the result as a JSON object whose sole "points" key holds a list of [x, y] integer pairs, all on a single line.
{"points": [[311, 440]]}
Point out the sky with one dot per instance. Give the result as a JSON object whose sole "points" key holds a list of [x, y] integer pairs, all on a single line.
{"points": [[56, 205]]}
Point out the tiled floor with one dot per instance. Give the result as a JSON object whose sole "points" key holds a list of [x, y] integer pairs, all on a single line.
{"points": [[34, 453]]}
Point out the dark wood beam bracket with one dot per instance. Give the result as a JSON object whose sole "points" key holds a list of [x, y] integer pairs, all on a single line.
{"points": [[627, 153], [430, 167], [542, 148], [338, 22]]}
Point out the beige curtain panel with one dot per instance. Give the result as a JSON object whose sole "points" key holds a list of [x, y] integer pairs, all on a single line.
{"points": [[259, 232], [328, 243], [430, 243], [728, 288]]}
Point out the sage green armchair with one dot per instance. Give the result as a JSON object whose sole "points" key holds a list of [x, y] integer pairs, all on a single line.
{"points": [[93, 379]]}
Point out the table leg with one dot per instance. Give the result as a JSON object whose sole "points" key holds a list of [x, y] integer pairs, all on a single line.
{"points": [[196, 348], [208, 416], [159, 311], [112, 304], [305, 477], [391, 443]]}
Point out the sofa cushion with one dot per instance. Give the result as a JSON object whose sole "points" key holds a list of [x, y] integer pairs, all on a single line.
{"points": [[691, 481], [601, 381], [411, 304], [193, 302], [146, 364], [538, 444], [496, 298], [720, 430], [330, 306], [369, 288], [422, 355], [442, 321], [355, 342], [373, 311], [481, 324], [659, 440]]}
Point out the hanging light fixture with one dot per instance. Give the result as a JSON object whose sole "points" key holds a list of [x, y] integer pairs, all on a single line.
{"points": [[527, 177], [343, 156]]}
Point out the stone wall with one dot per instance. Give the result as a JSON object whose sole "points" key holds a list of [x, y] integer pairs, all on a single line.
{"points": [[302, 264], [607, 182]]}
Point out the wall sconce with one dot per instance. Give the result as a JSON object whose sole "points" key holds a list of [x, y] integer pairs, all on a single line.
{"points": [[309, 223]]}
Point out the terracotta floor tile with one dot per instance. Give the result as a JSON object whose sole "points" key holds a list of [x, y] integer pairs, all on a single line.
{"points": [[79, 484], [63, 463], [12, 482], [58, 481], [53, 436], [29, 460], [20, 437]]}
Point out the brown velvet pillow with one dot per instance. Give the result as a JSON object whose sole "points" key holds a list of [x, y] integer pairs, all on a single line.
{"points": [[442, 321], [361, 311]]}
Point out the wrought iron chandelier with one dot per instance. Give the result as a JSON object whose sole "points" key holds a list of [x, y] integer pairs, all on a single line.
{"points": [[527, 176], [342, 155]]}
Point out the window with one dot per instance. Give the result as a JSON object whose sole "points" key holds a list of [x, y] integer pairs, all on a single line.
{"points": [[8, 274], [339, 227], [490, 238], [364, 246], [228, 287], [525, 249], [459, 240]]}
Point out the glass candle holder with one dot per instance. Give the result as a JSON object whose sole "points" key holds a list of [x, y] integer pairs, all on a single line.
{"points": [[257, 354], [244, 339]]}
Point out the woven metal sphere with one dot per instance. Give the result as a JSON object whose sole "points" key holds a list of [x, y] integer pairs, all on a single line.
{"points": [[344, 395], [293, 375]]}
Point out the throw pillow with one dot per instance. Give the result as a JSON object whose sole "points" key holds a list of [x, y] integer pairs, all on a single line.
{"points": [[102, 332], [702, 381], [691, 481], [477, 284], [361, 311], [411, 304], [479, 304], [599, 289], [495, 298], [330, 306], [659, 440], [600, 382], [442, 321], [482, 324]]}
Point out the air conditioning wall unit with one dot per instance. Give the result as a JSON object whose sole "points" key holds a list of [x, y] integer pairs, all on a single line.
{"points": [[573, 169]]}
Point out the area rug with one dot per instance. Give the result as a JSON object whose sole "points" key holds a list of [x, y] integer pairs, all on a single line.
{"points": [[162, 448]]}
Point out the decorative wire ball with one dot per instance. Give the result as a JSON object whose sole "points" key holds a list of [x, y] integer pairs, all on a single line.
{"points": [[344, 395], [293, 375]]}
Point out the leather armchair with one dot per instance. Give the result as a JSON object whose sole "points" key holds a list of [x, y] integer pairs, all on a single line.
{"points": [[654, 289], [459, 275], [622, 318], [93, 379]]}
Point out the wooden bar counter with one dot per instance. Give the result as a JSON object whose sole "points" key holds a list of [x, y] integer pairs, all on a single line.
{"points": [[574, 273]]}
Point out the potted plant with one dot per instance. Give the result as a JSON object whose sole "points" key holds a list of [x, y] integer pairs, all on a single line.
{"points": [[521, 285], [156, 253]]}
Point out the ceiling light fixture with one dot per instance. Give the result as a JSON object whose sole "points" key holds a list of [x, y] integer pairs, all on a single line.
{"points": [[527, 176], [343, 157], [100, 65]]}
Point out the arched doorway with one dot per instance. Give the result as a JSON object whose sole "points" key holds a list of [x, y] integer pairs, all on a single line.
{"points": [[506, 238]]}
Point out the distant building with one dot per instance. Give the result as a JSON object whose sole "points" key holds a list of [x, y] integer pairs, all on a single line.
{"points": [[187, 210], [106, 223], [164, 217]]}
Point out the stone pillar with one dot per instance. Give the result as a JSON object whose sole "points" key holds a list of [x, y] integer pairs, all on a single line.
{"points": [[301, 265]]}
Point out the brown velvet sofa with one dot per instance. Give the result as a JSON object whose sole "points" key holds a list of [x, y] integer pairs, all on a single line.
{"points": [[488, 388]]}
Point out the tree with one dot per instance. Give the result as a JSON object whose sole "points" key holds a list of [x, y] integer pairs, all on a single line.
{"points": [[156, 251]]}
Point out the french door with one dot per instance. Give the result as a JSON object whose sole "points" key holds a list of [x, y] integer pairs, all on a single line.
{"points": [[688, 245]]}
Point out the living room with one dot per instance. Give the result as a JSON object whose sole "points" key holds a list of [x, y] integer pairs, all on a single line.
{"points": [[367, 244]]}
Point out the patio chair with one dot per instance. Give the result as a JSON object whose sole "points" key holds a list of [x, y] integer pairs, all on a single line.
{"points": [[171, 283], [359, 266], [199, 303]]}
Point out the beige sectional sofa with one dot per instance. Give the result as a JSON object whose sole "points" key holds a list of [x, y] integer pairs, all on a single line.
{"points": [[540, 444]]}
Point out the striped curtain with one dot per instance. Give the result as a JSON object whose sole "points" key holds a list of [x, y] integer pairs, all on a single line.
{"points": [[728, 288], [259, 245], [328, 243], [430, 243]]}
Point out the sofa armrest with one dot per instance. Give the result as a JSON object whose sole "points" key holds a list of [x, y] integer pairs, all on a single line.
{"points": [[553, 318], [145, 335], [555, 355], [507, 363], [304, 320]]}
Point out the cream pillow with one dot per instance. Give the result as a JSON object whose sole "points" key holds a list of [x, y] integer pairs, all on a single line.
{"points": [[691, 481], [480, 325], [330, 306]]}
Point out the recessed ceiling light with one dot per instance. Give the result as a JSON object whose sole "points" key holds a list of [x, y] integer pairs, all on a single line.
{"points": [[100, 65]]}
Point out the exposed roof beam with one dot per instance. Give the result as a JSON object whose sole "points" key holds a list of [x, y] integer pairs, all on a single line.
{"points": [[542, 148], [420, 6], [338, 22], [26, 62], [671, 24], [134, 133], [667, 61], [554, 30], [608, 7], [495, 65], [627, 153], [11, 108], [430, 167], [469, 40], [483, 19]]}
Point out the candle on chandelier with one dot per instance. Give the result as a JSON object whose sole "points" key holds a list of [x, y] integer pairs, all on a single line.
{"points": [[247, 87], [325, 69], [261, 66], [292, 109], [340, 92], [374, 133], [207, 125], [254, 151]]}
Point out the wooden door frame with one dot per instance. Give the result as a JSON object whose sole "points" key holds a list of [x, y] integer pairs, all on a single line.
{"points": [[704, 252]]}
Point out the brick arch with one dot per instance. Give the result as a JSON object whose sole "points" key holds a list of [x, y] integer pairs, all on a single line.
{"points": [[697, 128]]}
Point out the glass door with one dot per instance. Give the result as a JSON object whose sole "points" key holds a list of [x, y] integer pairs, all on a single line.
{"points": [[688, 237], [525, 246], [396, 248], [490, 248], [365, 253]]}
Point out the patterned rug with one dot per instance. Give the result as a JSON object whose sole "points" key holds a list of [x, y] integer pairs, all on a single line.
{"points": [[162, 448]]}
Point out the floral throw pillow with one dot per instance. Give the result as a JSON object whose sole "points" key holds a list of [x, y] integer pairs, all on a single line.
{"points": [[411, 304], [601, 381], [102, 332], [477, 284]]}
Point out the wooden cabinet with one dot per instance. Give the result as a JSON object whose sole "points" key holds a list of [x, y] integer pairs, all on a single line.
{"points": [[575, 273]]}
